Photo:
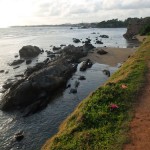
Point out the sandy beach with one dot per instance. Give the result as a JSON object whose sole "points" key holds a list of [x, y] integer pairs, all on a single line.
{"points": [[113, 57]]}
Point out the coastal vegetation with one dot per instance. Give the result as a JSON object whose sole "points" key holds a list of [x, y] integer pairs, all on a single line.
{"points": [[101, 121], [145, 30]]}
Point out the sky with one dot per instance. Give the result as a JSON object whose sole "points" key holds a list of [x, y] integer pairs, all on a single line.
{"points": [[40, 12]]}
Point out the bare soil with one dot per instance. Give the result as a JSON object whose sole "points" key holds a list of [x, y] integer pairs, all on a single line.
{"points": [[113, 57], [140, 125]]}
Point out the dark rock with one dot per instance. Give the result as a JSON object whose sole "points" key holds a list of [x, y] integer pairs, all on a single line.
{"points": [[8, 83], [88, 41], [82, 78], [7, 72], [29, 51], [76, 40], [46, 78], [16, 56], [51, 55], [76, 84], [56, 48], [28, 61], [68, 86], [106, 72], [19, 136], [88, 47], [93, 33], [62, 45], [104, 36], [74, 91], [46, 61], [17, 62], [101, 52], [1, 71], [86, 64], [19, 75], [16, 67], [99, 42]]}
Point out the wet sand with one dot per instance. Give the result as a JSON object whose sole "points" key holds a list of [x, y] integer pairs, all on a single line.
{"points": [[112, 58]]}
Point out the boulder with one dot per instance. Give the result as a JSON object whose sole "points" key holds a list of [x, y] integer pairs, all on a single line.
{"points": [[101, 52], [2, 71], [19, 136], [86, 64], [17, 62], [76, 40], [28, 61], [99, 42], [29, 51], [82, 78], [73, 91], [56, 48], [88, 47], [106, 72], [16, 67], [104, 36]]}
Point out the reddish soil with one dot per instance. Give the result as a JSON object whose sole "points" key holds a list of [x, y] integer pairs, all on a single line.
{"points": [[140, 125]]}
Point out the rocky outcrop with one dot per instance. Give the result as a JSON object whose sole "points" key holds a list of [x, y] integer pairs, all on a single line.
{"points": [[40, 82], [29, 51], [135, 25]]}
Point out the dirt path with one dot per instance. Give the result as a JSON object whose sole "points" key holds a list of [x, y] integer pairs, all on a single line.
{"points": [[140, 125]]}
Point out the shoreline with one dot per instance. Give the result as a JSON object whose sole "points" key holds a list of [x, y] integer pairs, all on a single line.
{"points": [[112, 58]]}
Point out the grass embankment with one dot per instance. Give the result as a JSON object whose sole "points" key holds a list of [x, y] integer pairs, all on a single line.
{"points": [[94, 125]]}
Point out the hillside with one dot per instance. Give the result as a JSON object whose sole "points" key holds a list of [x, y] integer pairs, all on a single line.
{"points": [[101, 121]]}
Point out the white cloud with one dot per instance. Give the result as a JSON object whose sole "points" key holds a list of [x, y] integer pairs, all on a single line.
{"points": [[60, 11]]}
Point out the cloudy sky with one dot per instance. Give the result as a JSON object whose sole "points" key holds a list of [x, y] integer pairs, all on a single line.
{"points": [[34, 12]]}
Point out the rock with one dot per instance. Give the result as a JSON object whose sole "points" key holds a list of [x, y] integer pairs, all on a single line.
{"points": [[56, 48], [46, 61], [93, 33], [86, 64], [7, 72], [68, 86], [88, 47], [82, 78], [73, 53], [106, 72], [88, 41], [47, 79], [62, 45], [76, 84], [16, 67], [19, 136], [8, 83], [101, 52], [17, 62], [16, 56], [99, 42], [19, 75], [104, 36], [27, 93], [76, 40], [74, 91], [1, 71], [28, 61], [29, 51], [51, 55]]}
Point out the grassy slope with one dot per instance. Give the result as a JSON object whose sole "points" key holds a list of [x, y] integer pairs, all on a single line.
{"points": [[93, 125]]}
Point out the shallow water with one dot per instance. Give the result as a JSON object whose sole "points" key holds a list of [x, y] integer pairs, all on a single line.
{"points": [[42, 125]]}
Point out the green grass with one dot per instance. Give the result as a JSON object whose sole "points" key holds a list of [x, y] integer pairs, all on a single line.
{"points": [[93, 125]]}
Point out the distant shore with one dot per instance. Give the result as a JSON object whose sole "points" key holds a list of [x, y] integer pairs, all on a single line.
{"points": [[113, 57]]}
